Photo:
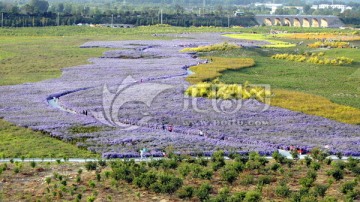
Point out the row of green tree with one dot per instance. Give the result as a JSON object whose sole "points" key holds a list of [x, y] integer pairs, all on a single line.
{"points": [[53, 19], [43, 13], [178, 7]]}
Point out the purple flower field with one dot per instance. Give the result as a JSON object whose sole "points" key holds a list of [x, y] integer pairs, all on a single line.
{"points": [[198, 125]]}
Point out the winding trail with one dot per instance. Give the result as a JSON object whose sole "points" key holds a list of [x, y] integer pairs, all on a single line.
{"points": [[53, 99]]}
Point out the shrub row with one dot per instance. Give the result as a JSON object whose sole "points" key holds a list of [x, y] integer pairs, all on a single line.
{"points": [[212, 70], [215, 47], [335, 44], [314, 59], [217, 90]]}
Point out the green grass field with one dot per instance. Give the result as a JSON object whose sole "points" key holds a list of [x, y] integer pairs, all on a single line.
{"points": [[32, 59], [327, 81], [22, 142], [323, 90]]}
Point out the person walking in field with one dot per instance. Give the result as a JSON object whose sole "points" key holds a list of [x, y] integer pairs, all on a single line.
{"points": [[164, 154], [142, 151], [170, 128], [141, 154], [201, 133]]}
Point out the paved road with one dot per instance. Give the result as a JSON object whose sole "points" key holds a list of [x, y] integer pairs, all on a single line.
{"points": [[74, 160], [83, 160]]}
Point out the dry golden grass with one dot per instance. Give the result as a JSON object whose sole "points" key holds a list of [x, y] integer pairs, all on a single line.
{"points": [[336, 44], [314, 58], [262, 37], [293, 100], [315, 105], [215, 47], [212, 70], [320, 36]]}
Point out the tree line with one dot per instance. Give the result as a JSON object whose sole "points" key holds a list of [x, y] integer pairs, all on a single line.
{"points": [[54, 19], [41, 13]]}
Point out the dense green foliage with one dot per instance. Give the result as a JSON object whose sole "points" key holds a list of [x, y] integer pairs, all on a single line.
{"points": [[244, 178], [178, 13]]}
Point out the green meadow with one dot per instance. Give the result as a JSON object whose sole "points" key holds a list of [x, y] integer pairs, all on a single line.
{"points": [[19, 142], [324, 80], [317, 89]]}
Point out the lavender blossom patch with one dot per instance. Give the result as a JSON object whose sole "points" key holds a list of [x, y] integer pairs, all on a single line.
{"points": [[196, 125]]}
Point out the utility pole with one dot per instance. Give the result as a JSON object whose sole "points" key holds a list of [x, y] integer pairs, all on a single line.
{"points": [[204, 4], [161, 16], [112, 20], [58, 19], [2, 19], [228, 20]]}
